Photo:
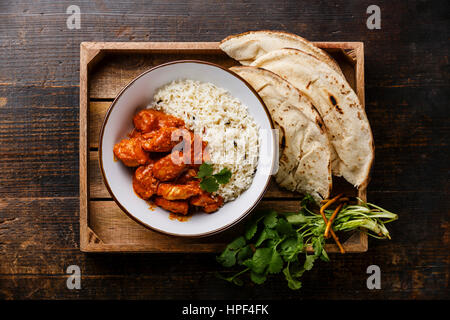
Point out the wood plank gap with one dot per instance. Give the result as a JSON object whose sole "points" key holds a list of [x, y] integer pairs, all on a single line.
{"points": [[101, 99]]}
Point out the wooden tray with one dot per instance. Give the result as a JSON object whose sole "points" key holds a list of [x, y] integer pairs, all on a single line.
{"points": [[105, 68]]}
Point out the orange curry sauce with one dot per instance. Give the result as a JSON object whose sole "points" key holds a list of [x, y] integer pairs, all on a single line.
{"points": [[165, 176]]}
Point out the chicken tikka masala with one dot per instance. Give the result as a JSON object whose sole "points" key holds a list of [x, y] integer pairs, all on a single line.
{"points": [[166, 176]]}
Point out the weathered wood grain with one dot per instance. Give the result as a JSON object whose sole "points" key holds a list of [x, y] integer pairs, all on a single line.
{"points": [[118, 69], [97, 111], [38, 142], [34, 263], [407, 97], [129, 236], [413, 53]]}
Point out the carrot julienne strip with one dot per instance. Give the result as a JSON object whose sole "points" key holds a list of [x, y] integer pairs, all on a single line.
{"points": [[322, 213]]}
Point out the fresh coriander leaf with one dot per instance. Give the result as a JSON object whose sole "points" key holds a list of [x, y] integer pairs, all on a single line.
{"points": [[287, 214], [209, 184], [223, 176], [319, 230], [299, 272], [309, 262], [265, 235], [279, 243], [205, 170], [276, 263], [307, 201], [284, 228], [244, 254], [252, 226], [318, 245], [257, 278], [324, 256], [236, 243], [261, 259], [293, 283], [218, 275], [300, 245], [272, 242], [248, 263], [296, 269], [290, 248], [297, 219], [233, 279], [250, 231], [271, 219], [287, 249], [227, 258]]}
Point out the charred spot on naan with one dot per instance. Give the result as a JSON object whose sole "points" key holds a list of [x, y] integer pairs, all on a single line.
{"points": [[320, 125], [359, 115], [332, 99], [309, 83], [334, 103], [339, 109]]}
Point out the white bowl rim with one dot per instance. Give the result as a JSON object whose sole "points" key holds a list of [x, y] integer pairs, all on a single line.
{"points": [[133, 217]]}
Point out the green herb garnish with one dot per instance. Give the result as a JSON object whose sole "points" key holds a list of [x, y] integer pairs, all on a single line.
{"points": [[223, 176], [209, 181], [273, 243], [209, 184]]}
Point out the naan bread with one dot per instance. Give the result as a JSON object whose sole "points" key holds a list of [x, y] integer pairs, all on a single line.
{"points": [[249, 46], [305, 150], [342, 113]]}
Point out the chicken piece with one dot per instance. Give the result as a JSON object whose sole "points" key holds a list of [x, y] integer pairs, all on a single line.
{"points": [[171, 191], [199, 153], [130, 152], [165, 169], [161, 139], [207, 202], [144, 183], [135, 134], [197, 149], [188, 176], [149, 120], [166, 120], [176, 206]]}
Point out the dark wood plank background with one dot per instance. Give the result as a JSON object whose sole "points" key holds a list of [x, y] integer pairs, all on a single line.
{"points": [[407, 101]]}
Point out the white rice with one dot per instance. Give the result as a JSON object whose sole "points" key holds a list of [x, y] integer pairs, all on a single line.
{"points": [[221, 120]]}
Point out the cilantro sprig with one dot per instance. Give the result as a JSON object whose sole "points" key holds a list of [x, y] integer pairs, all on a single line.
{"points": [[277, 243], [209, 181]]}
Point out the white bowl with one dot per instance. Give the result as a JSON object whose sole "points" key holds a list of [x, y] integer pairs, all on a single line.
{"points": [[118, 123]]}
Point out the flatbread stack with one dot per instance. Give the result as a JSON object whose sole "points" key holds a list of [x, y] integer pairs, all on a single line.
{"points": [[305, 154], [249, 46], [318, 80]]}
